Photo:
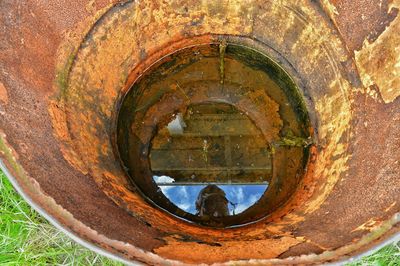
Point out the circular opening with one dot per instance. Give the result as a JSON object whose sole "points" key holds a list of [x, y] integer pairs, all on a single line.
{"points": [[215, 134], [211, 161]]}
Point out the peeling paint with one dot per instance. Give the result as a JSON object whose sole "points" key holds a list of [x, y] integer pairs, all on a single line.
{"points": [[369, 225], [338, 112], [379, 61]]}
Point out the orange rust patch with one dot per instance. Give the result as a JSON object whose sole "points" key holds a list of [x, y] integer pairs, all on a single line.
{"points": [[189, 252], [58, 116], [3, 93]]}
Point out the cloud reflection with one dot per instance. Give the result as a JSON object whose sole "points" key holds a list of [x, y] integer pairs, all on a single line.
{"points": [[242, 196]]}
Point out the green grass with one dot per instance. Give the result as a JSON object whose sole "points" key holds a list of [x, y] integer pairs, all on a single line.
{"points": [[27, 239], [387, 256]]}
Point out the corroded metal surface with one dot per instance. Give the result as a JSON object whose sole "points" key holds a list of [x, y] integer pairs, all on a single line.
{"points": [[252, 91], [64, 66]]}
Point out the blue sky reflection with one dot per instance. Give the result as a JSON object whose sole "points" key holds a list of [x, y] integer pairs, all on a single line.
{"points": [[243, 196]]}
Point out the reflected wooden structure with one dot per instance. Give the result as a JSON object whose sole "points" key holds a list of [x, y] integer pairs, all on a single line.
{"points": [[211, 144]]}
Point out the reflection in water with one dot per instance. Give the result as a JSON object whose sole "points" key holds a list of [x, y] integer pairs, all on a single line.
{"points": [[211, 161], [212, 202], [239, 197]]}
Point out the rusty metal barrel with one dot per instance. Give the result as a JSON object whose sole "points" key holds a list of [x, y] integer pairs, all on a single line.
{"points": [[93, 93]]}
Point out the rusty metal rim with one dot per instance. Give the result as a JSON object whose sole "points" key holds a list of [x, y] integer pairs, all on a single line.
{"points": [[103, 252], [38, 195], [55, 222], [390, 240]]}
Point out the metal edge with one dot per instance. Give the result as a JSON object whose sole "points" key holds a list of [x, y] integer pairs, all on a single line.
{"points": [[375, 248], [56, 224]]}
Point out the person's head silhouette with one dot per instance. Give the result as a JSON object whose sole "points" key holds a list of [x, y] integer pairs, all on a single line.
{"points": [[212, 202]]}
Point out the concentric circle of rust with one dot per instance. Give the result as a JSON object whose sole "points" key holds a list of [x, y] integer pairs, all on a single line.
{"points": [[63, 156], [90, 111], [172, 85]]}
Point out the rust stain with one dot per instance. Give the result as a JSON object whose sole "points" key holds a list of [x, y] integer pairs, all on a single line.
{"points": [[229, 250], [61, 130], [86, 93], [379, 61], [160, 28], [337, 111], [66, 55], [32, 189], [3, 93], [89, 93]]}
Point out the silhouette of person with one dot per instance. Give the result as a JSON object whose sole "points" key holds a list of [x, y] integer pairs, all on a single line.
{"points": [[212, 202]]}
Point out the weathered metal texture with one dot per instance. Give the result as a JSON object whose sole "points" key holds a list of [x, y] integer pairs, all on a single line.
{"points": [[244, 88], [64, 66]]}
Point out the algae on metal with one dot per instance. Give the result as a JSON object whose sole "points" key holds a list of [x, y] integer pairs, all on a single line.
{"points": [[222, 49]]}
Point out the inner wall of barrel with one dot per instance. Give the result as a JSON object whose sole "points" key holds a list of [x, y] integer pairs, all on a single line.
{"points": [[212, 73]]}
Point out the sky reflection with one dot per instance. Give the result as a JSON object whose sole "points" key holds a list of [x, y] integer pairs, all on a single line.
{"points": [[242, 196]]}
